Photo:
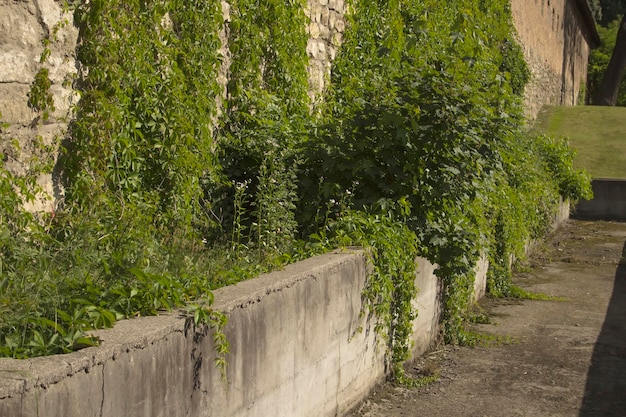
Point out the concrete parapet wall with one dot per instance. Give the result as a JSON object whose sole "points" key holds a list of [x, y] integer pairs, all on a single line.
{"points": [[298, 347], [609, 201]]}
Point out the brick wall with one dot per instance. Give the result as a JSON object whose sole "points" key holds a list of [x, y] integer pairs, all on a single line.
{"points": [[556, 37]]}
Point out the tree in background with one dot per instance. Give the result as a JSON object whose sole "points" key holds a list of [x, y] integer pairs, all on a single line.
{"points": [[609, 10], [605, 88], [596, 9], [608, 91], [599, 61]]}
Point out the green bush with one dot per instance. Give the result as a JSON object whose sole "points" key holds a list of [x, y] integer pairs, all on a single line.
{"points": [[418, 148]]}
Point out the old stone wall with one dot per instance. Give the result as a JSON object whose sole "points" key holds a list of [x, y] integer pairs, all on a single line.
{"points": [[556, 38], [35, 35], [31, 28], [325, 35], [554, 34]]}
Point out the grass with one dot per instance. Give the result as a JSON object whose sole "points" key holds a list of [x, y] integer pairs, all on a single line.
{"points": [[597, 133]]}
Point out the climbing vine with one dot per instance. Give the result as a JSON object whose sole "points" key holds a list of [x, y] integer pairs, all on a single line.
{"points": [[425, 105], [418, 148], [264, 119]]}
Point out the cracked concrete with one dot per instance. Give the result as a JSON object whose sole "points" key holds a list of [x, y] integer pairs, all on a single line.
{"points": [[289, 332], [294, 350]]}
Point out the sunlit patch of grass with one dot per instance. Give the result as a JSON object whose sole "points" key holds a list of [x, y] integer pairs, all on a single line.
{"points": [[596, 132]]}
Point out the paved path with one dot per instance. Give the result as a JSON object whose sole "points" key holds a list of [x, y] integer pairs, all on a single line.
{"points": [[566, 358]]}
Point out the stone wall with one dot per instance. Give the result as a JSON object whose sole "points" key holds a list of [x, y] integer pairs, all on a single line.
{"points": [[325, 35], [24, 27], [556, 37]]}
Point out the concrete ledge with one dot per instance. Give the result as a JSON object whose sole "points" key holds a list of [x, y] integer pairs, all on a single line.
{"points": [[609, 201], [295, 351], [298, 347]]}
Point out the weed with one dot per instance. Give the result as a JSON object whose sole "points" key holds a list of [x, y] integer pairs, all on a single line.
{"points": [[520, 293]]}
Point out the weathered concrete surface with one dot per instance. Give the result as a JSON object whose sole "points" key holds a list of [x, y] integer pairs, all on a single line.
{"points": [[295, 350], [609, 201], [426, 324], [562, 358]]}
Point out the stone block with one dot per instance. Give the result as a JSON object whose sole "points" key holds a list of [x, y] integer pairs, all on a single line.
{"points": [[337, 39], [311, 48], [64, 101], [335, 5], [324, 16], [320, 54], [59, 67], [18, 66], [50, 12], [314, 30], [14, 103], [332, 52], [316, 13], [340, 23], [332, 19], [19, 28], [325, 32]]}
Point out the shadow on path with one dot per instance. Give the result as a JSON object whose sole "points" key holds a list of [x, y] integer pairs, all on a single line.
{"points": [[605, 390]]}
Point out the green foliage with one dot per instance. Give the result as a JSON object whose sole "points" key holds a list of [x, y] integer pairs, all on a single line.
{"points": [[596, 9], [558, 158], [609, 10], [39, 97], [143, 136], [263, 121], [418, 148], [518, 292], [391, 248], [126, 241], [425, 105]]}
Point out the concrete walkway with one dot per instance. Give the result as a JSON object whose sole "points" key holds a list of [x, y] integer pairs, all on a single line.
{"points": [[563, 358]]}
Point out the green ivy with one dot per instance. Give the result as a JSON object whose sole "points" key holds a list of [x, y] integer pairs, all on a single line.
{"points": [[264, 119], [419, 147], [391, 248], [143, 135]]}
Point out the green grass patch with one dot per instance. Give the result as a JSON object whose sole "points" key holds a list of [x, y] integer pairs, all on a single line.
{"points": [[477, 339], [596, 132], [522, 294]]}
